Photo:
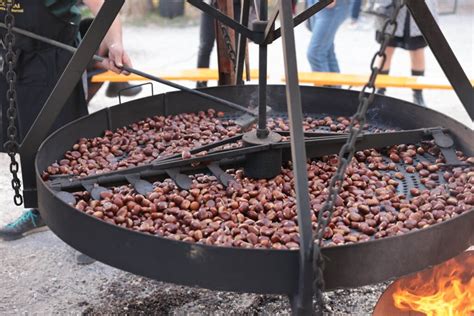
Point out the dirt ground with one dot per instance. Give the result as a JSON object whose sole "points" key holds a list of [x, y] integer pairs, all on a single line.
{"points": [[39, 274]]}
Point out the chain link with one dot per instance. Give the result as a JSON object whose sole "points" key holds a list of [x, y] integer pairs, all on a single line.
{"points": [[228, 43], [227, 40], [11, 145], [358, 120]]}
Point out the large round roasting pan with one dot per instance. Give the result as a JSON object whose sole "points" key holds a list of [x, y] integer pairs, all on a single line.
{"points": [[247, 270]]}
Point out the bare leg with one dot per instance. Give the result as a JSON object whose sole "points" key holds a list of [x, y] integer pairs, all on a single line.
{"points": [[389, 52], [386, 67], [418, 59], [418, 69]]}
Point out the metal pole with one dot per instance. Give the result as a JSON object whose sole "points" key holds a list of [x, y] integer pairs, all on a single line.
{"points": [[271, 36], [132, 70], [61, 92], [242, 42], [262, 131], [302, 300], [443, 53]]}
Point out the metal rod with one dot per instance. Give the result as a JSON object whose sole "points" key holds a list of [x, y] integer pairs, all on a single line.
{"points": [[221, 17], [134, 71], [262, 131], [60, 94], [189, 90], [303, 16], [271, 26], [242, 42], [443, 53], [69, 183], [318, 145], [257, 10], [303, 298]]}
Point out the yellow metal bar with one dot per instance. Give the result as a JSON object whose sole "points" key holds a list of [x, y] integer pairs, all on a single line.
{"points": [[383, 81], [198, 74]]}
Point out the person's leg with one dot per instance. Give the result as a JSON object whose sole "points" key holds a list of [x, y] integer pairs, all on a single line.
{"points": [[332, 59], [418, 69], [341, 14], [355, 10], [207, 36], [29, 222], [325, 26], [388, 62], [418, 59], [386, 66]]}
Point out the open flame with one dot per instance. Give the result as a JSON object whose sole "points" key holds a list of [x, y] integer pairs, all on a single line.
{"points": [[446, 289]]}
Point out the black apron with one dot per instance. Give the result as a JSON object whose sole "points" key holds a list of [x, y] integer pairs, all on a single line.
{"points": [[39, 67]]}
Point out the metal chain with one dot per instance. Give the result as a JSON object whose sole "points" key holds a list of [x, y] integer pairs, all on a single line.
{"points": [[358, 120], [11, 145], [228, 43], [227, 40]]}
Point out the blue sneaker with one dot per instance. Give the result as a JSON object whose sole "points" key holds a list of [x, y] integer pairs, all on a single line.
{"points": [[29, 222]]}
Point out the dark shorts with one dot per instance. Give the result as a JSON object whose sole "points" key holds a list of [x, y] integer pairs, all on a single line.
{"points": [[406, 41], [410, 43]]}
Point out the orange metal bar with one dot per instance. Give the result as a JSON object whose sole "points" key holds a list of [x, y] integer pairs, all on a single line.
{"points": [[198, 74], [326, 78]]}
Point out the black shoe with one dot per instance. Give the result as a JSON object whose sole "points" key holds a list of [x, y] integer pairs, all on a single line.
{"points": [[418, 98], [125, 89], [29, 222], [201, 84]]}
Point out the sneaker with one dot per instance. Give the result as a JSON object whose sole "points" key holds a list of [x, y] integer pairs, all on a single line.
{"points": [[353, 24], [201, 84], [115, 87], [28, 223]]}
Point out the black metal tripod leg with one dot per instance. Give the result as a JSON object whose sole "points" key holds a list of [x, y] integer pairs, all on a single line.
{"points": [[302, 300], [242, 42], [63, 89], [221, 17], [262, 131], [443, 53], [300, 18]]}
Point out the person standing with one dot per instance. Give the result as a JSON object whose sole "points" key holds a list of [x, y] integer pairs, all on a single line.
{"points": [[321, 51], [39, 67], [408, 37]]}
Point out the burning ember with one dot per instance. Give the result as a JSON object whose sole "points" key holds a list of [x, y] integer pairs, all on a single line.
{"points": [[446, 289]]}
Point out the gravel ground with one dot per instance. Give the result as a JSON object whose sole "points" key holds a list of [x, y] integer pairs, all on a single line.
{"points": [[38, 273]]}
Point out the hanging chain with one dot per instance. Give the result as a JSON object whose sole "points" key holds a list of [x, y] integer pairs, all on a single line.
{"points": [[227, 40], [11, 145], [358, 120], [228, 43]]}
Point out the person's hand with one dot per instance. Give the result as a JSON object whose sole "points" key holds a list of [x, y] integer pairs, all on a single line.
{"points": [[332, 5], [116, 59]]}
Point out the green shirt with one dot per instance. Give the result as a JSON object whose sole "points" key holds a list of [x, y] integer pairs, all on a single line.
{"points": [[66, 10]]}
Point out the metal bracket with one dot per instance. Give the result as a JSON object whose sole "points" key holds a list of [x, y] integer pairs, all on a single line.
{"points": [[94, 189], [141, 186], [181, 180], [66, 197], [135, 86], [220, 174], [446, 145]]}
